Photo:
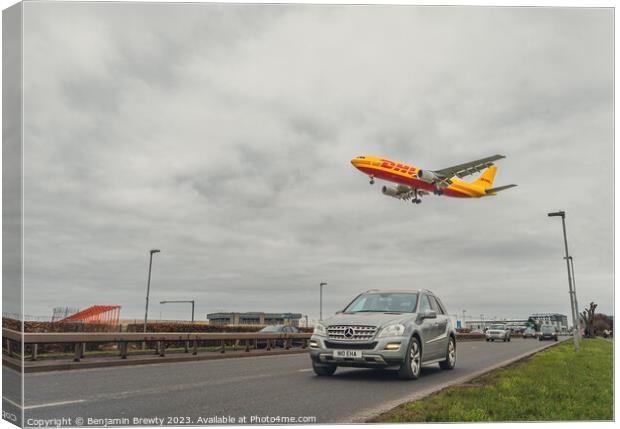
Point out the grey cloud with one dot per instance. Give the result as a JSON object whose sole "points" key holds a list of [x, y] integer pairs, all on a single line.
{"points": [[223, 134]]}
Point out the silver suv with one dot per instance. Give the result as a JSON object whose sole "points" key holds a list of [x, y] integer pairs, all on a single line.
{"points": [[386, 329], [498, 332]]}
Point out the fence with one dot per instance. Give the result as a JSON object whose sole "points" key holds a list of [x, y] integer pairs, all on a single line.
{"points": [[16, 341]]}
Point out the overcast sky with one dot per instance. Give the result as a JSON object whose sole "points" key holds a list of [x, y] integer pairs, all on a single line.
{"points": [[222, 135]]}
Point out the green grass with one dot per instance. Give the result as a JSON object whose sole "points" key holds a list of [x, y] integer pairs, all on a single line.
{"points": [[555, 384]]}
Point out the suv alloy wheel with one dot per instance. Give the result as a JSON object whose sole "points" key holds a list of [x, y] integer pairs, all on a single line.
{"points": [[410, 369], [450, 356]]}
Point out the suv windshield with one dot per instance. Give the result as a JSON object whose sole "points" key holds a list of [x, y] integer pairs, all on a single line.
{"points": [[400, 302], [498, 327], [548, 329]]}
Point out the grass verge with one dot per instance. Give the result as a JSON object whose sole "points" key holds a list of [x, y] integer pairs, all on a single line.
{"points": [[555, 384]]}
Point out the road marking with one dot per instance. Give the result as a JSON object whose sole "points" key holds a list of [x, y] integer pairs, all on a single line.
{"points": [[160, 389], [11, 402], [53, 404], [305, 370]]}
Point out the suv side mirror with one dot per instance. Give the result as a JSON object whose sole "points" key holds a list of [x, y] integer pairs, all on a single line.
{"points": [[430, 314]]}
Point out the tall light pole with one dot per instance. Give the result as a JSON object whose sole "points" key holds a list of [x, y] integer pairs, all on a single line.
{"points": [[571, 292], [184, 302], [321, 300], [148, 287], [572, 270]]}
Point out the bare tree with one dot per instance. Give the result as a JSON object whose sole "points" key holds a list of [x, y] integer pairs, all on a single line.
{"points": [[588, 318]]}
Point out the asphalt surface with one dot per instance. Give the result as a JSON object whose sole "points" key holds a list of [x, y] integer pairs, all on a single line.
{"points": [[268, 389]]}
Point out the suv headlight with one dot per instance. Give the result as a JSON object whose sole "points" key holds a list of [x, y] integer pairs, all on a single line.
{"points": [[396, 330], [319, 330]]}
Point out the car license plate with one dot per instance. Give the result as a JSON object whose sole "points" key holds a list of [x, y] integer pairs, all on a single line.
{"points": [[347, 353]]}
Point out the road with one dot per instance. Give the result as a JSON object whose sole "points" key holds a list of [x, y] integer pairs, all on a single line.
{"points": [[264, 387]]}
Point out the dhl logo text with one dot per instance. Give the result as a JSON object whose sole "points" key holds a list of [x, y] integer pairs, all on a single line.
{"points": [[403, 168]]}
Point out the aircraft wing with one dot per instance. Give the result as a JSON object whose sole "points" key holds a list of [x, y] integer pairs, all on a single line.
{"points": [[468, 168]]}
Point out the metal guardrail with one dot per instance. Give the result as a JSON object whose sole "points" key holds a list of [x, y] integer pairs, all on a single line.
{"points": [[80, 339]]}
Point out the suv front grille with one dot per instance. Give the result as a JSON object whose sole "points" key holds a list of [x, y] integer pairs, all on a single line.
{"points": [[351, 332]]}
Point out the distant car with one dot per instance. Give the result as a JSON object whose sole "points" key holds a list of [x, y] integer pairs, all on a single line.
{"points": [[477, 331], [498, 332], [529, 333], [277, 329], [548, 333]]}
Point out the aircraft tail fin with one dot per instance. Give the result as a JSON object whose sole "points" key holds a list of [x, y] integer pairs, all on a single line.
{"points": [[486, 179], [492, 191]]}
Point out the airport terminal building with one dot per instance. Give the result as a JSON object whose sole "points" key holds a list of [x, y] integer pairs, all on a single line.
{"points": [[254, 318], [483, 324], [560, 321]]}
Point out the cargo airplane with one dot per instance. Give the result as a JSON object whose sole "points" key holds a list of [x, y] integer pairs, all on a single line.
{"points": [[412, 183]]}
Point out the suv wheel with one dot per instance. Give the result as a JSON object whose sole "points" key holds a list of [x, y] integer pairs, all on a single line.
{"points": [[323, 369], [450, 356], [410, 369]]}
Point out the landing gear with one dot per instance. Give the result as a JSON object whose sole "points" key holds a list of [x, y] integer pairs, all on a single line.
{"points": [[438, 192], [372, 180], [416, 199]]}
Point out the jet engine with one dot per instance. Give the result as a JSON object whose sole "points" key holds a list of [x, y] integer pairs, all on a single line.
{"points": [[390, 192], [428, 176]]}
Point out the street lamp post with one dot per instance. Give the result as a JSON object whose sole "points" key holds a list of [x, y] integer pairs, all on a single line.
{"points": [[572, 271], [321, 299], [571, 292], [184, 302], [148, 287]]}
